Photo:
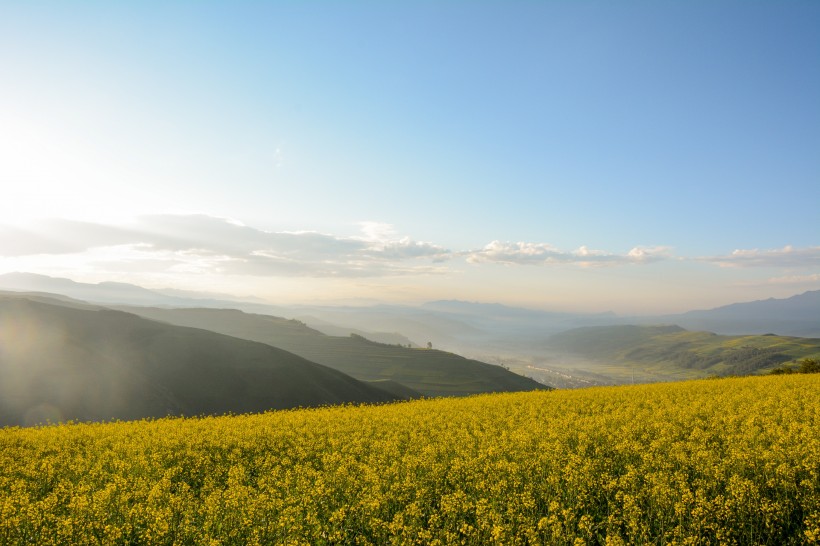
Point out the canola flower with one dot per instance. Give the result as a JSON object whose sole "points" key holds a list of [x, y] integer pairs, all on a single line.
{"points": [[734, 461]]}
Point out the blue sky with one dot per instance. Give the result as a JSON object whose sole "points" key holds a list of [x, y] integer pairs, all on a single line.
{"points": [[635, 156]]}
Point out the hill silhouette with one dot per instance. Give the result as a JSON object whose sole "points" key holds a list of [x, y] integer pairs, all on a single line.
{"points": [[60, 361], [798, 315], [430, 372]]}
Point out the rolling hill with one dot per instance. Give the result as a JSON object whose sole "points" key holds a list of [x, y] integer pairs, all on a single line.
{"points": [[118, 293], [672, 350], [430, 372], [65, 361]]}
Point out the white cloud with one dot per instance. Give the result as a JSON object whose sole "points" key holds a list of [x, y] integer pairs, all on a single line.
{"points": [[796, 279], [513, 253], [649, 254], [522, 253], [200, 242], [58, 236], [787, 256]]}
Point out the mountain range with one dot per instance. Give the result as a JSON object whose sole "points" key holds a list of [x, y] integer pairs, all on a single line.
{"points": [[451, 324], [795, 316], [384, 342]]}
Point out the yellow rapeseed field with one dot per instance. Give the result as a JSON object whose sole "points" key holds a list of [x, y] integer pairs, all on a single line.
{"points": [[733, 461]]}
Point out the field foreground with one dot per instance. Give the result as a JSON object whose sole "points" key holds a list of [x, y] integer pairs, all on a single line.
{"points": [[714, 461]]}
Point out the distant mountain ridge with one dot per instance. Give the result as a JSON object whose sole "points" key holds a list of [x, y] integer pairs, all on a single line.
{"points": [[112, 292], [797, 315], [452, 322], [501, 310], [517, 338], [109, 293]]}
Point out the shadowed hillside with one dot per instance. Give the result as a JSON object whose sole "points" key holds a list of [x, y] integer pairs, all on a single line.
{"points": [[61, 362], [431, 372]]}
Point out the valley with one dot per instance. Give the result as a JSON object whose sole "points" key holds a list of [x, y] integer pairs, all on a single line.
{"points": [[477, 348]]}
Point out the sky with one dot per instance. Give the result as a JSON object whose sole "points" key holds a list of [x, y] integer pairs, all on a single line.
{"points": [[635, 156]]}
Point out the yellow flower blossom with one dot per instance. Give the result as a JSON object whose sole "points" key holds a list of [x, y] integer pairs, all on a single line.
{"points": [[735, 461]]}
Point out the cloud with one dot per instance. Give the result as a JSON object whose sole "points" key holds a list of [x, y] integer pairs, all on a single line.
{"points": [[796, 279], [58, 236], [514, 253], [263, 264], [787, 256], [200, 242], [406, 248], [522, 253], [211, 235]]}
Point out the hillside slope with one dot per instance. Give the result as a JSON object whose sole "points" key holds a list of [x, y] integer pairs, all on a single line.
{"points": [[431, 372], [60, 362], [682, 351]]}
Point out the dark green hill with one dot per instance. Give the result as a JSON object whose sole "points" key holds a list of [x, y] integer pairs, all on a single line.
{"points": [[674, 350], [61, 362], [396, 389], [430, 372]]}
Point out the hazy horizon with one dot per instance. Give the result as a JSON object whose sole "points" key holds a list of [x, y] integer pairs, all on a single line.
{"points": [[635, 158]]}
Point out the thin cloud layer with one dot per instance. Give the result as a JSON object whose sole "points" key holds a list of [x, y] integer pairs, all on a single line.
{"points": [[58, 236], [201, 243], [787, 256], [796, 279], [522, 253]]}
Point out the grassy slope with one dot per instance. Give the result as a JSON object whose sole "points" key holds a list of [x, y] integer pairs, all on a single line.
{"points": [[675, 351], [61, 362], [431, 372]]}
